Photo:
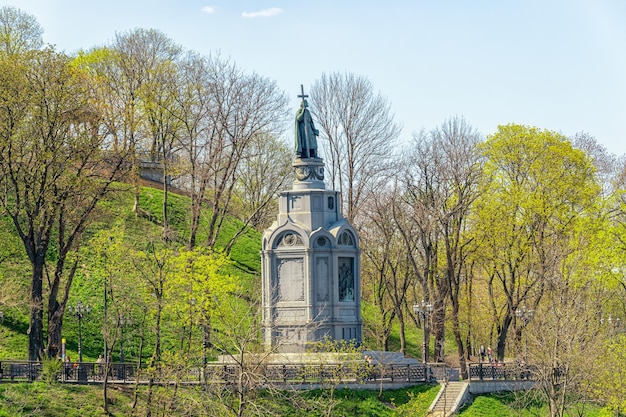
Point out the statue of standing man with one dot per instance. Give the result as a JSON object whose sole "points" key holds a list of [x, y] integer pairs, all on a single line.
{"points": [[306, 133]]}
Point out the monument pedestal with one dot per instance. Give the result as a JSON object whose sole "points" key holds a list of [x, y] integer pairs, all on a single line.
{"points": [[310, 266]]}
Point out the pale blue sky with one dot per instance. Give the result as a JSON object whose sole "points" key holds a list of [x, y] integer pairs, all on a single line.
{"points": [[553, 64]]}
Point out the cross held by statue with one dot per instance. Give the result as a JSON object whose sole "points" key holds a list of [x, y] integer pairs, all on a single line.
{"points": [[302, 96]]}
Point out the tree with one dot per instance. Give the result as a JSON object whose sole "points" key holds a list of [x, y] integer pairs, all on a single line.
{"points": [[161, 110], [358, 133], [457, 170], [195, 143], [131, 69], [19, 32], [385, 281], [124, 304], [417, 217], [537, 188], [565, 345], [261, 175], [55, 168], [243, 108], [606, 164], [154, 266], [609, 386]]}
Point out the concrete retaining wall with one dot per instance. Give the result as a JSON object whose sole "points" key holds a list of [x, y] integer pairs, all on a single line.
{"points": [[485, 387]]}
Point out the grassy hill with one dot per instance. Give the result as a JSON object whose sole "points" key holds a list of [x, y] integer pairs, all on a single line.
{"points": [[115, 211], [38, 399]]}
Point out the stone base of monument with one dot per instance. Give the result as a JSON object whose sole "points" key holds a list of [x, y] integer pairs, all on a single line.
{"points": [[309, 174]]}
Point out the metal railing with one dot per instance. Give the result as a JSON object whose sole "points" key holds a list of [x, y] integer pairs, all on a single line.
{"points": [[511, 371], [20, 370], [90, 372], [291, 374]]}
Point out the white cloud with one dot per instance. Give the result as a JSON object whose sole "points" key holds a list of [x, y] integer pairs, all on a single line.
{"points": [[263, 13], [209, 9]]}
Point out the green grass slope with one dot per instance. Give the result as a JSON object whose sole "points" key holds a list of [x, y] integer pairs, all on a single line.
{"points": [[114, 210], [56, 400]]}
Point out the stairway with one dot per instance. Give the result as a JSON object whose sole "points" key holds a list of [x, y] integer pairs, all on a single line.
{"points": [[449, 399]]}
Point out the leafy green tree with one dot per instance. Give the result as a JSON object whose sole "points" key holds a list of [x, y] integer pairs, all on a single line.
{"points": [[128, 71], [111, 271], [565, 342], [55, 168], [609, 386], [198, 283], [537, 189], [19, 32]]}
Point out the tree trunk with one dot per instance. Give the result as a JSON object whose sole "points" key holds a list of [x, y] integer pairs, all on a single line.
{"points": [[142, 339], [459, 340], [56, 310], [502, 335], [105, 376], [440, 341], [35, 329], [402, 335], [385, 341], [166, 231], [55, 329], [195, 219], [438, 318]]}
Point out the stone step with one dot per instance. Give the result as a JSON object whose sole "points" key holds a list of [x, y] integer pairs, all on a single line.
{"points": [[447, 398]]}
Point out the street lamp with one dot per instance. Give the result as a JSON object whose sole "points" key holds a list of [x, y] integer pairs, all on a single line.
{"points": [[423, 311], [525, 315], [80, 310], [122, 321]]}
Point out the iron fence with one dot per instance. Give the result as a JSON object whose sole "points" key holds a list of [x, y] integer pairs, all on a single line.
{"points": [[332, 373], [511, 371]]}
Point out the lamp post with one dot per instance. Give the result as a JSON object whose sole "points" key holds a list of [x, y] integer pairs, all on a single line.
{"points": [[525, 315], [122, 321], [423, 311], [80, 310]]}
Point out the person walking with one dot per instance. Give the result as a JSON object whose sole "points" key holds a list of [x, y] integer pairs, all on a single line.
{"points": [[100, 366], [68, 367]]}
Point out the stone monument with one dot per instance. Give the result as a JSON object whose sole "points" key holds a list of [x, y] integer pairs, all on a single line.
{"points": [[310, 257]]}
